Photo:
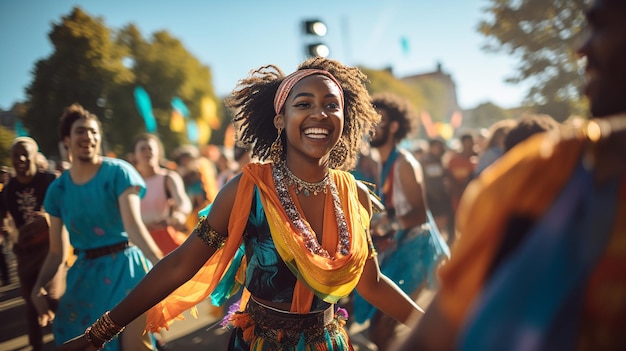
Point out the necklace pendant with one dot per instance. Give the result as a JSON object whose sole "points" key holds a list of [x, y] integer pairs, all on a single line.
{"points": [[315, 193], [306, 192]]}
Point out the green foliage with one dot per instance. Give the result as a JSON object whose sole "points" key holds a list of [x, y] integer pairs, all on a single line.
{"points": [[100, 68], [6, 138], [167, 70], [543, 36], [438, 103], [83, 67], [383, 81]]}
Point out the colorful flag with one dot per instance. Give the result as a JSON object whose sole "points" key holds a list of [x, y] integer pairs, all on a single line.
{"points": [[144, 107]]}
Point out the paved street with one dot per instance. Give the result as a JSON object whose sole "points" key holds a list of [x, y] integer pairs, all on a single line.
{"points": [[191, 334]]}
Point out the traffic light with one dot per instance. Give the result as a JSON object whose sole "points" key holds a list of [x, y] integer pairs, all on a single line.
{"points": [[313, 30]]}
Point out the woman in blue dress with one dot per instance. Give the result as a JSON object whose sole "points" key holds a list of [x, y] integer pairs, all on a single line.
{"points": [[98, 201]]}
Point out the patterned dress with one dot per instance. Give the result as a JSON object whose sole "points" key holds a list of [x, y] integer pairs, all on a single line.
{"points": [[92, 217]]}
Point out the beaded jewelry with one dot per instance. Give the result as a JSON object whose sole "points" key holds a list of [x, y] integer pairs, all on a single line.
{"points": [[103, 329], [372, 249], [209, 235], [302, 186], [339, 154], [311, 243], [276, 149]]}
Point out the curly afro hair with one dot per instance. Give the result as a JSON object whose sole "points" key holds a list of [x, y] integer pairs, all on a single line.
{"points": [[398, 110], [253, 102]]}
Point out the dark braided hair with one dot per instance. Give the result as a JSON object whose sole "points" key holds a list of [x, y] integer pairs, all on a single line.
{"points": [[253, 102], [399, 110]]}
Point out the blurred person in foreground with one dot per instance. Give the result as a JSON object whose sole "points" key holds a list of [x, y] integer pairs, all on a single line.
{"points": [[416, 247], [98, 201], [22, 198], [540, 263]]}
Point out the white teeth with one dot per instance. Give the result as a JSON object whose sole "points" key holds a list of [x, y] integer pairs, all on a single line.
{"points": [[317, 133]]}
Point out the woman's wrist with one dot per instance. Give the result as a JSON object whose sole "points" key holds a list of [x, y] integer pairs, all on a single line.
{"points": [[102, 331], [92, 340]]}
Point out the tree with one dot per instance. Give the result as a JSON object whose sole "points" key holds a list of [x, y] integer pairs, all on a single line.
{"points": [[384, 81], [84, 66], [165, 69], [6, 139], [543, 35], [100, 69]]}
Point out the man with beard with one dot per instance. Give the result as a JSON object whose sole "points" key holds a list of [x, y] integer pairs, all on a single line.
{"points": [[417, 247], [22, 197], [540, 263]]}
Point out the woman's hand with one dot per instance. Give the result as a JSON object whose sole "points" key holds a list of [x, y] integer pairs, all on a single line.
{"points": [[40, 301], [78, 343]]}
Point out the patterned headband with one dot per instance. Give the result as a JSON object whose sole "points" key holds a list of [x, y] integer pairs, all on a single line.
{"points": [[288, 83]]}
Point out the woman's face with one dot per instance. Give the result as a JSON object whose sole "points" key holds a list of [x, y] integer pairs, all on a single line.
{"points": [[313, 118], [84, 140], [147, 152]]}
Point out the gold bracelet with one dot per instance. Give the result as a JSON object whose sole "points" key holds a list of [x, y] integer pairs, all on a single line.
{"points": [[90, 339], [209, 235], [103, 329]]}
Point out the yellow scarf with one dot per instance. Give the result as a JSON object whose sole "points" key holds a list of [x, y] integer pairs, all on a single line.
{"points": [[329, 278]]}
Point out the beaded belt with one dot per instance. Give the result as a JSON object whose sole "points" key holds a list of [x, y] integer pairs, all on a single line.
{"points": [[103, 251], [284, 328]]}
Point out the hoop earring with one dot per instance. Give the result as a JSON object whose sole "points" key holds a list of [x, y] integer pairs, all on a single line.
{"points": [[276, 150], [338, 154]]}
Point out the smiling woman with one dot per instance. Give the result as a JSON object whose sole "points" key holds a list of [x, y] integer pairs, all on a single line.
{"points": [[293, 228]]}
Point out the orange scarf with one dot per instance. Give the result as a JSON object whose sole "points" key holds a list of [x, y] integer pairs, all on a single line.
{"points": [[328, 278]]}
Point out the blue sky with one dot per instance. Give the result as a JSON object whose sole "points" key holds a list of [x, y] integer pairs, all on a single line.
{"points": [[234, 36]]}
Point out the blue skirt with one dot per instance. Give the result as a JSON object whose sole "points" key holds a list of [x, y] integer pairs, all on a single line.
{"points": [[95, 286], [411, 262]]}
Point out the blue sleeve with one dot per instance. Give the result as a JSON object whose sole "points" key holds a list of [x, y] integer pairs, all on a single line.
{"points": [[52, 200], [127, 176]]}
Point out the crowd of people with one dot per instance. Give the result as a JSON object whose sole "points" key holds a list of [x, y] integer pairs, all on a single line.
{"points": [[307, 226]]}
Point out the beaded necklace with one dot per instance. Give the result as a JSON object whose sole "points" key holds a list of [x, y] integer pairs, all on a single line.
{"points": [[310, 240], [303, 186]]}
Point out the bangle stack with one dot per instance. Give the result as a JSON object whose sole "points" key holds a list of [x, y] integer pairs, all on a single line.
{"points": [[103, 330]]}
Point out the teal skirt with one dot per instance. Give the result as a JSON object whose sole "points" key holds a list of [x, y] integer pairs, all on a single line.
{"points": [[411, 262], [95, 286]]}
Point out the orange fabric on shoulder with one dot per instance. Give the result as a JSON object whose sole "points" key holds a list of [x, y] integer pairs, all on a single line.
{"points": [[523, 182]]}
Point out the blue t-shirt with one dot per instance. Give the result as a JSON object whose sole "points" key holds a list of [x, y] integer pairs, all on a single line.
{"points": [[91, 211]]}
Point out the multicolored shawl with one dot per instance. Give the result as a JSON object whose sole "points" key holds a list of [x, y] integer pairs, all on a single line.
{"points": [[328, 278], [532, 301], [482, 218]]}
